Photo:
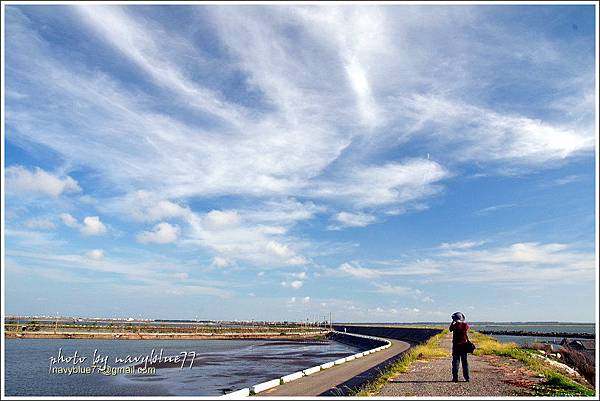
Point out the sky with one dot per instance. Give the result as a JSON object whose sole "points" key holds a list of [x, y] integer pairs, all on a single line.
{"points": [[383, 163]]}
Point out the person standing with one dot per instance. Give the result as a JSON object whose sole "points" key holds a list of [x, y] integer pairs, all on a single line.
{"points": [[459, 329]]}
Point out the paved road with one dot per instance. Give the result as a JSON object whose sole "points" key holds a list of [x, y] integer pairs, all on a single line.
{"points": [[338, 379]]}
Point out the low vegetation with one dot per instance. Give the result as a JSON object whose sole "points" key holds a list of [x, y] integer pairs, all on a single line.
{"points": [[556, 384], [428, 350]]}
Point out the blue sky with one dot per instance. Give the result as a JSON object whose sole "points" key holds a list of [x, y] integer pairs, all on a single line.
{"points": [[383, 163]]}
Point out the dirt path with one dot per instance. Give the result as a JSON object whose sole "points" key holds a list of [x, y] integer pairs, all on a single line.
{"points": [[490, 376]]}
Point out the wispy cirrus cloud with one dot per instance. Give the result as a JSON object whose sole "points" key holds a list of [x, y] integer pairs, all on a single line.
{"points": [[494, 208], [237, 136], [482, 262]]}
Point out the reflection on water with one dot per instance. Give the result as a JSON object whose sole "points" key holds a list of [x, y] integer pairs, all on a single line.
{"points": [[219, 365]]}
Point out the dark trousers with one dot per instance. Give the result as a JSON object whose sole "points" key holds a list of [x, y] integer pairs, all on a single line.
{"points": [[457, 357]]}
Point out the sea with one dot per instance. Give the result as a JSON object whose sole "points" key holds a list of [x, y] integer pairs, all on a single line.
{"points": [[573, 329], [204, 367]]}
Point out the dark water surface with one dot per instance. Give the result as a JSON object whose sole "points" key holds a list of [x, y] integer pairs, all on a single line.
{"points": [[219, 366]]}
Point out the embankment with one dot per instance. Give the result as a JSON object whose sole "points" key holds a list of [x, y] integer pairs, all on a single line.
{"points": [[168, 336], [362, 343], [411, 335], [335, 379]]}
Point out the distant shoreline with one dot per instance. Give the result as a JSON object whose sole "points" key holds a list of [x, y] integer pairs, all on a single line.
{"points": [[165, 336], [536, 334]]}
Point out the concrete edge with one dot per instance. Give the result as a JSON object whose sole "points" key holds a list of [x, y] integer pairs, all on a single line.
{"points": [[257, 388], [312, 370], [245, 392], [292, 376]]}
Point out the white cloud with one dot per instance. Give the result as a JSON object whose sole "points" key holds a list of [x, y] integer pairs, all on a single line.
{"points": [[218, 219], [233, 236], [154, 272], [415, 268], [526, 262], [144, 48], [219, 261], [318, 76], [308, 115], [92, 226], [394, 290], [40, 223], [21, 179], [568, 179], [471, 261], [461, 244], [283, 251], [284, 212], [293, 284], [146, 206], [69, 220], [346, 219], [95, 254], [492, 136], [300, 275], [390, 184], [162, 233], [359, 272], [495, 208]]}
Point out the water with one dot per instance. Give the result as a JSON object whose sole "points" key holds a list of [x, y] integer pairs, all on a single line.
{"points": [[573, 328], [541, 327], [220, 366]]}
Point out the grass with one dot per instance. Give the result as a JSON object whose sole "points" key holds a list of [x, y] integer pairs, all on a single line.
{"points": [[428, 350], [556, 384]]}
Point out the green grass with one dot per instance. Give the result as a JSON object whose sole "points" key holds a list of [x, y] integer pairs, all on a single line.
{"points": [[556, 384], [428, 350]]}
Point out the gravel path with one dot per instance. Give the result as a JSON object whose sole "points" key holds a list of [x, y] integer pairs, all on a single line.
{"points": [[490, 376]]}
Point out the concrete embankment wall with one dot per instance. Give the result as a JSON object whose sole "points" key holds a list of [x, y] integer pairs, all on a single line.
{"points": [[411, 335], [362, 343]]}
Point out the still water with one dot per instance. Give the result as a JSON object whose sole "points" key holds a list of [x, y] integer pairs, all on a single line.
{"points": [[573, 328], [219, 365]]}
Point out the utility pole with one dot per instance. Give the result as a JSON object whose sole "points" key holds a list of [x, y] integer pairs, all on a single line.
{"points": [[330, 322]]}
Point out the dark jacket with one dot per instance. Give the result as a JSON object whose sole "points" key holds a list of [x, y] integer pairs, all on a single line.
{"points": [[459, 336]]}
